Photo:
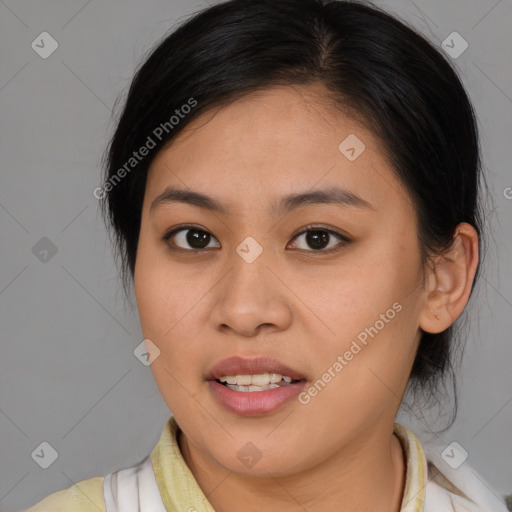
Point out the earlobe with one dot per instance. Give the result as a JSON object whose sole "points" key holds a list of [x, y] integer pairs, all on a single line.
{"points": [[450, 281]]}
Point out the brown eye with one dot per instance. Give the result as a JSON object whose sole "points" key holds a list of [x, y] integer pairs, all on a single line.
{"points": [[190, 238], [318, 239]]}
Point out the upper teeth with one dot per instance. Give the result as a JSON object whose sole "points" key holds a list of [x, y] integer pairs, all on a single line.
{"points": [[257, 380]]}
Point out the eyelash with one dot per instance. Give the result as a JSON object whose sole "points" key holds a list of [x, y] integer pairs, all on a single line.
{"points": [[343, 239]]}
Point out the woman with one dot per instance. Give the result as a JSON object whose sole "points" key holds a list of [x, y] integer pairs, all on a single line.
{"points": [[293, 189]]}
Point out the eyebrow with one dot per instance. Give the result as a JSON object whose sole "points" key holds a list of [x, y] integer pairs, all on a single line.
{"points": [[285, 204]]}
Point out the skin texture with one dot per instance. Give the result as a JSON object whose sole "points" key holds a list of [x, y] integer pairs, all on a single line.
{"points": [[293, 303]]}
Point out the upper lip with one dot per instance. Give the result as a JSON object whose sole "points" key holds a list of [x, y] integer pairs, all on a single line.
{"points": [[241, 366]]}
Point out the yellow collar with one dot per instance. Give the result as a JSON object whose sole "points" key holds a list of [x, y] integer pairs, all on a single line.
{"points": [[416, 470]]}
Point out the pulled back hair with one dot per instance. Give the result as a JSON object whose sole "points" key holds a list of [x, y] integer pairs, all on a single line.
{"points": [[378, 69]]}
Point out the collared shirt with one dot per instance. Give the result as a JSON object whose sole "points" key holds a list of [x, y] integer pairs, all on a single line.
{"points": [[165, 482]]}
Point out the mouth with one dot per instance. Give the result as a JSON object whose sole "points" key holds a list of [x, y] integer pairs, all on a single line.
{"points": [[251, 387]]}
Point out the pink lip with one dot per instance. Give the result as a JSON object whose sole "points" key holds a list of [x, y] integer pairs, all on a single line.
{"points": [[257, 402]]}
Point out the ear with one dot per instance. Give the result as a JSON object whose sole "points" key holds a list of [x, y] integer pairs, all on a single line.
{"points": [[449, 281]]}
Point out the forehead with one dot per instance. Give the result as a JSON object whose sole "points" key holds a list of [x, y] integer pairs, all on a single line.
{"points": [[270, 143]]}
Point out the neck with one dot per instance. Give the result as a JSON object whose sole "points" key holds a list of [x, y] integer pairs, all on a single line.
{"points": [[365, 476]]}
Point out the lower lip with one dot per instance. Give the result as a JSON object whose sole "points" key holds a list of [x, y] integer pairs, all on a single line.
{"points": [[253, 403]]}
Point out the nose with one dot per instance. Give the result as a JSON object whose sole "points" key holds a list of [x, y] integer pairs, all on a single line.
{"points": [[251, 298]]}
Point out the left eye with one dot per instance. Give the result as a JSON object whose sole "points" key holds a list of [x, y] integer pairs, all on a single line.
{"points": [[191, 235], [319, 239]]}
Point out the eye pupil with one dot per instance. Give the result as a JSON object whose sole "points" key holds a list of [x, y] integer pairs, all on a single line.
{"points": [[317, 239], [197, 235]]}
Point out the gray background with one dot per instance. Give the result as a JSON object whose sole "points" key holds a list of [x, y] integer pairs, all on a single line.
{"points": [[68, 375]]}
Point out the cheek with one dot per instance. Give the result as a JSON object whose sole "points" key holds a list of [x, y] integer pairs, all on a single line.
{"points": [[172, 312], [367, 314], [165, 303], [162, 290], [350, 296], [168, 304]]}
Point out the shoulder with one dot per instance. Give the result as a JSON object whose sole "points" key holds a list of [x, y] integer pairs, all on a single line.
{"points": [[84, 496], [455, 487]]}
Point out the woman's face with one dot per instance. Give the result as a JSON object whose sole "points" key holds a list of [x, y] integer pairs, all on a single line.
{"points": [[341, 312]]}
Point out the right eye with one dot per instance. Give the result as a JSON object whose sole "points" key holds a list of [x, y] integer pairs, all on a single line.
{"points": [[196, 238]]}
